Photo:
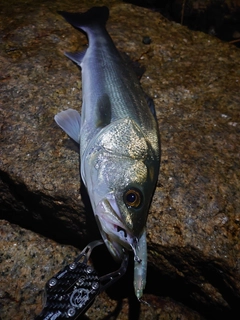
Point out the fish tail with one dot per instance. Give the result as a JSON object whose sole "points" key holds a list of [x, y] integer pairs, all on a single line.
{"points": [[94, 16]]}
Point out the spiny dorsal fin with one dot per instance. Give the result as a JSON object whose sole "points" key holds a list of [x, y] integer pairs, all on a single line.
{"points": [[151, 105]]}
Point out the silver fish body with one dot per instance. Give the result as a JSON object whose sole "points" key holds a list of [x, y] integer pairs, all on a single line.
{"points": [[119, 142]]}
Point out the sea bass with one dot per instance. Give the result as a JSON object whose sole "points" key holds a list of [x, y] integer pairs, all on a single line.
{"points": [[119, 142]]}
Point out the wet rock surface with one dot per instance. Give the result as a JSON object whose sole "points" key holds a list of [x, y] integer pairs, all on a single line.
{"points": [[194, 221], [28, 260], [219, 18]]}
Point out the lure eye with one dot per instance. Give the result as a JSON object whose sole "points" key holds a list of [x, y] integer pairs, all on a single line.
{"points": [[132, 198]]}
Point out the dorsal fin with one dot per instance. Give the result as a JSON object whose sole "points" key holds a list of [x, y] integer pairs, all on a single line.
{"points": [[151, 105]]}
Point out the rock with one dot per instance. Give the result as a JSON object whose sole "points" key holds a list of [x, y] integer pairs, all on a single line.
{"points": [[28, 260], [194, 221]]}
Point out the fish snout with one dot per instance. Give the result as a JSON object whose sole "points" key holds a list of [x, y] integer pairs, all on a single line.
{"points": [[112, 227]]}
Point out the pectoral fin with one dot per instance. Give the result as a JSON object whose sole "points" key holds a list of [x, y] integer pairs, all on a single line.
{"points": [[70, 121]]}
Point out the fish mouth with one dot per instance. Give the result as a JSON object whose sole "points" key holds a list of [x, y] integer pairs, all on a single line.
{"points": [[114, 233]]}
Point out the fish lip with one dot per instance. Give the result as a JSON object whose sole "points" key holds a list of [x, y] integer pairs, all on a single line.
{"points": [[112, 228]]}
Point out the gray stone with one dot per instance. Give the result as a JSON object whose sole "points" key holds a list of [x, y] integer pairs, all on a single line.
{"points": [[28, 260], [194, 221]]}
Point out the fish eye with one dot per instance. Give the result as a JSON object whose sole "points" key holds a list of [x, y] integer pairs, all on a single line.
{"points": [[132, 198]]}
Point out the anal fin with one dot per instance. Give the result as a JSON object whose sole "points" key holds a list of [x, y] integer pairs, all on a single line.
{"points": [[76, 57]]}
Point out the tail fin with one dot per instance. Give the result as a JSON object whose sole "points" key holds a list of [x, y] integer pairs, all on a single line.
{"points": [[94, 16]]}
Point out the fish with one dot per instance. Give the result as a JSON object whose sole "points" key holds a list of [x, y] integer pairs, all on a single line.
{"points": [[119, 141]]}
